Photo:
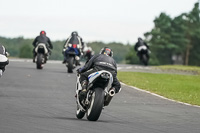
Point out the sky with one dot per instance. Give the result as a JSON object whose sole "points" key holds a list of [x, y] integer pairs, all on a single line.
{"points": [[94, 20]]}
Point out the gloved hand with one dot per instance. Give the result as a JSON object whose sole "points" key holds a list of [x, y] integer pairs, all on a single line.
{"points": [[78, 71]]}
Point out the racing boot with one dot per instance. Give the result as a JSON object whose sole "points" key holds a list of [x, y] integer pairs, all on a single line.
{"points": [[83, 92], [34, 55], [64, 61], [78, 63], [33, 59]]}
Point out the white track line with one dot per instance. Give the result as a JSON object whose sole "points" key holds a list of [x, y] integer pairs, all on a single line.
{"points": [[159, 95]]}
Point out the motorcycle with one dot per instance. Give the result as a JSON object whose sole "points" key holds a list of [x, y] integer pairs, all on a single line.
{"points": [[3, 62], [143, 54], [72, 60], [98, 95], [42, 55]]}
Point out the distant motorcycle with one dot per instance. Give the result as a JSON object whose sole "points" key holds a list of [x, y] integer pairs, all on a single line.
{"points": [[88, 53], [72, 60], [3, 62], [143, 54], [98, 95], [42, 55]]}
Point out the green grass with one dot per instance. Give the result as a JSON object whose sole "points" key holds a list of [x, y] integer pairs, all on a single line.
{"points": [[181, 68], [184, 88]]}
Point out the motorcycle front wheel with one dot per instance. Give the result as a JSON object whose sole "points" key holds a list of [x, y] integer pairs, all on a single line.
{"points": [[96, 104], [144, 60]]}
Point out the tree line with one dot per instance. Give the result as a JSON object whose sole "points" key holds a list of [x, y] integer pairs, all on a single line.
{"points": [[22, 48]]}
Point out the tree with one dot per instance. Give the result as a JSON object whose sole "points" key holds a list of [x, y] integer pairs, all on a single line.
{"points": [[159, 39], [192, 55], [186, 29], [26, 51], [178, 36]]}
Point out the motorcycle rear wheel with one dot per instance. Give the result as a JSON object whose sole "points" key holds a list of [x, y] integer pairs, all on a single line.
{"points": [[96, 104], [39, 61], [70, 64]]}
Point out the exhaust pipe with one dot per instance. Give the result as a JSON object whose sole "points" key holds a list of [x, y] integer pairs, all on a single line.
{"points": [[109, 97], [111, 92]]}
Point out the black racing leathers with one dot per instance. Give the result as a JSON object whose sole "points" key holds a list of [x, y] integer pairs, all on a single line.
{"points": [[43, 39], [140, 43], [101, 62], [137, 45], [74, 40]]}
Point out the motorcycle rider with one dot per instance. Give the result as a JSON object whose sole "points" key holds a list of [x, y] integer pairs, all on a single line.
{"points": [[139, 44], [87, 52], [3, 59], [102, 61], [42, 38], [73, 39]]}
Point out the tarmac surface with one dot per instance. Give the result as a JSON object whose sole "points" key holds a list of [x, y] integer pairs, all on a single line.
{"points": [[42, 101]]}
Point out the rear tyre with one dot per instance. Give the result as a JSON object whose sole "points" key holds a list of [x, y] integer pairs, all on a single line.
{"points": [[39, 61], [70, 64], [96, 104]]}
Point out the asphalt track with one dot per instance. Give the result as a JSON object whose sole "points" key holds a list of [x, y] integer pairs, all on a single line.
{"points": [[42, 101]]}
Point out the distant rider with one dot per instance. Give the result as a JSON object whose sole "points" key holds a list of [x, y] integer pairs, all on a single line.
{"points": [[42, 38], [88, 53], [73, 39], [138, 45], [102, 61], [3, 59]]}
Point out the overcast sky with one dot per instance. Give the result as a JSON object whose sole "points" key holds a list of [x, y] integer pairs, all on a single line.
{"points": [[95, 20]]}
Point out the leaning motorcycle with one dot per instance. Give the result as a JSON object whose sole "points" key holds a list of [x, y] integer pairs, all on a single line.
{"points": [[143, 54], [72, 60], [42, 55], [98, 95]]}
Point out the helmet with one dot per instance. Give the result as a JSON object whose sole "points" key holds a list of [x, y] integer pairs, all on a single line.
{"points": [[74, 33], [107, 51], [42, 32], [139, 39]]}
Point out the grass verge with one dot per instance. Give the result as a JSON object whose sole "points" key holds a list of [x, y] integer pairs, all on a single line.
{"points": [[184, 88], [180, 68]]}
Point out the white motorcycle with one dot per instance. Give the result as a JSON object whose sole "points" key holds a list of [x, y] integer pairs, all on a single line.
{"points": [[98, 95], [143, 54], [3, 62], [42, 55]]}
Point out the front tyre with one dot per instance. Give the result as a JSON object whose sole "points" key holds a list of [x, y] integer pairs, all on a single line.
{"points": [[144, 59], [96, 104]]}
